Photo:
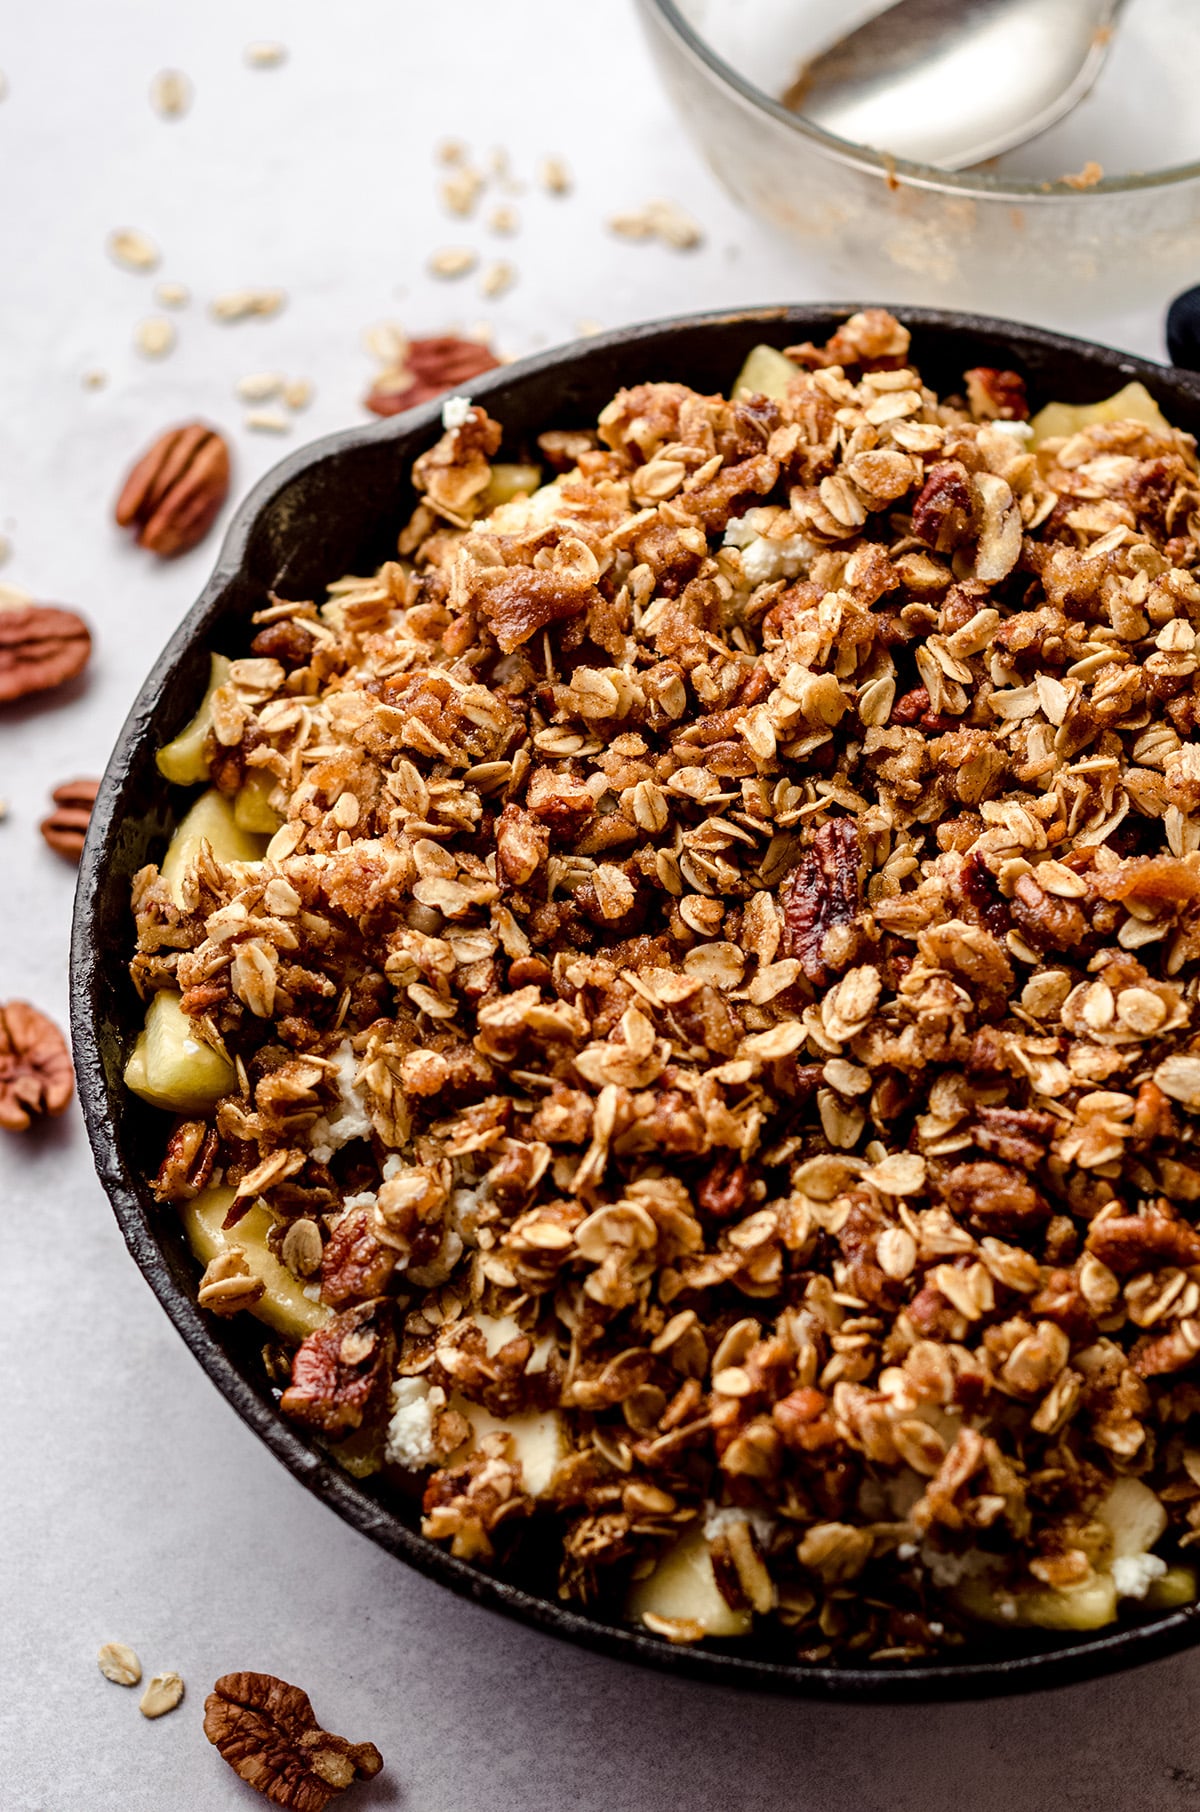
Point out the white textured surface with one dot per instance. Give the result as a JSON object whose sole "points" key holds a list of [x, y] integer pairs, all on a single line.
{"points": [[133, 1504]]}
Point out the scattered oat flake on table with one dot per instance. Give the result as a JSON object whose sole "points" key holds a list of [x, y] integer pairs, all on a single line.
{"points": [[554, 176], [5, 549], [451, 151], [503, 219], [267, 421], [387, 342], [162, 1695], [118, 1663], [461, 190], [94, 380], [240, 304], [498, 278], [659, 220], [298, 393], [132, 250], [170, 94], [172, 295], [452, 261], [1087, 178], [259, 386], [154, 337], [265, 54]]}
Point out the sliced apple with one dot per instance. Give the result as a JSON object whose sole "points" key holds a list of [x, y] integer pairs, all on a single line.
{"points": [[283, 1304], [1088, 1606], [170, 1067], [538, 1436], [211, 820], [252, 809], [498, 1330], [1131, 403], [1134, 1517], [508, 481], [765, 373], [182, 760], [683, 1587], [1175, 1588]]}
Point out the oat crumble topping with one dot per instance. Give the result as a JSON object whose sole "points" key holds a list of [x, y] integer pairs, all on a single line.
{"points": [[707, 1065]]}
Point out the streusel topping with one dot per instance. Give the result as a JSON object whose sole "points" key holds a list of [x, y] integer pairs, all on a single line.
{"points": [[713, 1034]]}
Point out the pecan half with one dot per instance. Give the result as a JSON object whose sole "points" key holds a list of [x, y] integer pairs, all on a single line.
{"points": [[268, 1733], [173, 494], [41, 645], [342, 1369], [36, 1076], [430, 366], [820, 897], [66, 826]]}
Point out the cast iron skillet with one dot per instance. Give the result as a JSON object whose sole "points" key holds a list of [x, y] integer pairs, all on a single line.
{"points": [[335, 507]]}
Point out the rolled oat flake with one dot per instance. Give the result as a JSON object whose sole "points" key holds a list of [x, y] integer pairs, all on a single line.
{"points": [[162, 1695], [119, 1664]]}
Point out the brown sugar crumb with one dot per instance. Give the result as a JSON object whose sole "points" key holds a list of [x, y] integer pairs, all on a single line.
{"points": [[1087, 178], [712, 1043]]}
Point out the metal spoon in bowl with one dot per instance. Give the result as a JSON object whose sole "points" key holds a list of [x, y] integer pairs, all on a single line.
{"points": [[951, 82]]}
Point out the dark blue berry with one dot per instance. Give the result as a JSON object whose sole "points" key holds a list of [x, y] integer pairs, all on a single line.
{"points": [[1183, 330]]}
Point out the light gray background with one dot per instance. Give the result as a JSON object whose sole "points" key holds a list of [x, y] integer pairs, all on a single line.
{"points": [[133, 1504]]}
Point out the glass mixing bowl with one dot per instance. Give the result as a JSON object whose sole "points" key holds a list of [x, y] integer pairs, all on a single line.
{"points": [[1009, 236]]}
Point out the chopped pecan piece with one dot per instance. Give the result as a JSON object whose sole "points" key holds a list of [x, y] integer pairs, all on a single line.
{"points": [[340, 1372], [821, 901], [268, 1733], [1018, 1135], [354, 1265], [942, 513], [724, 1190], [1133, 1242], [517, 603], [993, 1195], [522, 844], [1156, 1354], [1045, 919], [466, 1504], [188, 1162], [996, 395], [287, 641]]}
